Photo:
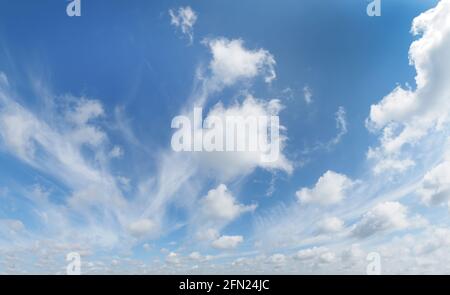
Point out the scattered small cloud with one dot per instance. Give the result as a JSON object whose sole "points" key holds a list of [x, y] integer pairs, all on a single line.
{"points": [[184, 18]]}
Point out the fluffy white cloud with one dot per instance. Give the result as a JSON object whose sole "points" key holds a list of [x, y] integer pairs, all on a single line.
{"points": [[216, 210], [228, 165], [329, 189], [220, 205], [184, 18], [227, 242], [387, 216], [232, 62], [405, 116]]}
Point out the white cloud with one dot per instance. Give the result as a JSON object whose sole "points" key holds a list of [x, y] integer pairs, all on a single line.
{"points": [[438, 239], [310, 253], [116, 152], [63, 142], [84, 111], [47, 147], [228, 165], [388, 164], [331, 225], [196, 256], [208, 234], [387, 216], [227, 242], [173, 258], [316, 255], [353, 254], [405, 116], [219, 204], [435, 188], [142, 227], [184, 18], [329, 189], [278, 259], [232, 62], [327, 257], [341, 125], [425, 252], [307, 94]]}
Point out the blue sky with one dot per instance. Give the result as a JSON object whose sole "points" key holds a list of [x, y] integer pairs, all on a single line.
{"points": [[86, 105]]}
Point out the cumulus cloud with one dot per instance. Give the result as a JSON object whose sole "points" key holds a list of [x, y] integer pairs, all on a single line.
{"points": [[184, 18], [405, 115], [269, 153], [387, 216], [219, 204], [216, 210], [329, 189], [231, 62], [227, 242]]}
